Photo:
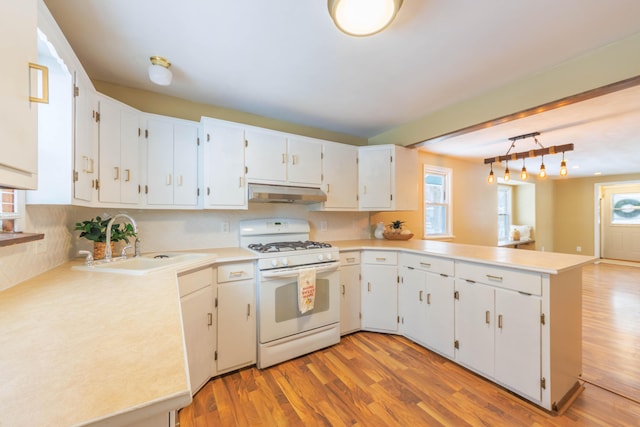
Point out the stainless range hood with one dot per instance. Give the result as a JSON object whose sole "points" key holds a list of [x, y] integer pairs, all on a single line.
{"points": [[285, 194]]}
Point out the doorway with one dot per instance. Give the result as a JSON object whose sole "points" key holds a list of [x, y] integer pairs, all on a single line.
{"points": [[618, 230]]}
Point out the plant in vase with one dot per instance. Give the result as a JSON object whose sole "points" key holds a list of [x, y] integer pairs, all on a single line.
{"points": [[95, 230], [396, 226]]}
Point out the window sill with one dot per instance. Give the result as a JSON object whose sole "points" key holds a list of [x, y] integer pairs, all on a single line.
{"points": [[441, 237], [8, 239]]}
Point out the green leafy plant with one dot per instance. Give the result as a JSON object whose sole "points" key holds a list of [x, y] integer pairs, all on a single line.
{"points": [[95, 230], [396, 225]]}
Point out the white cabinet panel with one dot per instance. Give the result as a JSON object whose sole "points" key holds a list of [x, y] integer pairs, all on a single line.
{"points": [[266, 156], [305, 161], [380, 297], [185, 164], [18, 116], [224, 179], [411, 305], [236, 325], [159, 162], [340, 176], [350, 292]]}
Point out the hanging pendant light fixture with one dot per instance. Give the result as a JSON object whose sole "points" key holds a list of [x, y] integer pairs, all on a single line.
{"points": [[542, 151], [159, 72], [523, 173], [363, 17], [491, 178], [542, 174], [563, 166]]}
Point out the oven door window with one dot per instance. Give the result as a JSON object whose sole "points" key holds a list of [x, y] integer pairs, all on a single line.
{"points": [[286, 299]]}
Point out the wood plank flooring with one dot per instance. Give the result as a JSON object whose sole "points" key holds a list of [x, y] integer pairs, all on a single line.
{"points": [[385, 380]]}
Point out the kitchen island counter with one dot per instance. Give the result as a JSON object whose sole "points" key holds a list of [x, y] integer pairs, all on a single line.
{"points": [[93, 348], [542, 262]]}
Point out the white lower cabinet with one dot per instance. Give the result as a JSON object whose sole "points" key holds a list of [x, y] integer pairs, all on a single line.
{"points": [[380, 291], [350, 295], [498, 326], [426, 302], [197, 294], [236, 316]]}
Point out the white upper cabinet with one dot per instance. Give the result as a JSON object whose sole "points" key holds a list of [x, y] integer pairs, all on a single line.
{"points": [[85, 160], [282, 159], [18, 115], [223, 152], [172, 162], [119, 153], [340, 176], [388, 178]]}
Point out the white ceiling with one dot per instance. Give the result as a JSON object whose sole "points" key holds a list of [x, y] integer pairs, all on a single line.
{"points": [[284, 59]]}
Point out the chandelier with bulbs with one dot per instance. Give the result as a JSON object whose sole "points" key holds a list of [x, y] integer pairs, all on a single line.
{"points": [[542, 151]]}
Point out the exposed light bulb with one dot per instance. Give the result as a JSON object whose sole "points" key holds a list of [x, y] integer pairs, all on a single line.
{"points": [[507, 174], [491, 178], [563, 167], [524, 174], [543, 171]]}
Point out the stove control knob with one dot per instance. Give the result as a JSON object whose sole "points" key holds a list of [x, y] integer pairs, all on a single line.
{"points": [[284, 261], [321, 257], [329, 256], [274, 262]]}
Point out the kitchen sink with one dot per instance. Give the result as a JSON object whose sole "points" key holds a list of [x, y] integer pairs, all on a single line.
{"points": [[145, 264]]}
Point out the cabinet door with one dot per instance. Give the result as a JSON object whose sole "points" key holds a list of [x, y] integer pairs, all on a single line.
{"points": [[224, 166], [412, 305], [85, 139], [518, 342], [236, 325], [340, 176], [18, 116], [199, 323], [109, 151], [350, 298], [185, 164], [160, 162], [374, 173], [380, 298], [129, 157], [305, 161], [266, 156], [474, 326], [439, 313]]}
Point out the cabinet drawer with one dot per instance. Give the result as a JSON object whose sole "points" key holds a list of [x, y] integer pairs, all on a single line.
{"points": [[380, 257], [517, 280], [348, 258], [428, 263], [236, 271], [191, 281]]}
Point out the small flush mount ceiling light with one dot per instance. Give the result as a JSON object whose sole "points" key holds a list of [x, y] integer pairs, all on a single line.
{"points": [[363, 17], [159, 72], [542, 151]]}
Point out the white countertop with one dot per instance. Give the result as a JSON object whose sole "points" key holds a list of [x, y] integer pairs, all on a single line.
{"points": [[87, 347], [543, 262]]}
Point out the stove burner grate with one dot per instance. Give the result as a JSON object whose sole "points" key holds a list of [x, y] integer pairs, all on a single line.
{"points": [[287, 246]]}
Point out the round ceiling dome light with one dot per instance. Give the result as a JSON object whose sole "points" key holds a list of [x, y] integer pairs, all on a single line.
{"points": [[363, 17], [159, 72]]}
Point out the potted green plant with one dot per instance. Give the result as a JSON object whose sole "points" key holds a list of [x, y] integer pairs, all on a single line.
{"points": [[395, 231], [95, 230], [396, 226]]}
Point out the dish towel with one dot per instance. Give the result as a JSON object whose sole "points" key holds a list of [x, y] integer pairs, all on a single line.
{"points": [[306, 289]]}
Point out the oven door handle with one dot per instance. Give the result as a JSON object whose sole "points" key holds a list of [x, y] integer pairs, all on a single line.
{"points": [[293, 272]]}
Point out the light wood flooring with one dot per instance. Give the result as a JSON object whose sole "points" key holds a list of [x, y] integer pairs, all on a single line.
{"points": [[385, 380]]}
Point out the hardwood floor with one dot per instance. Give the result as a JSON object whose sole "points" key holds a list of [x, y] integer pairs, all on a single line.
{"points": [[611, 328], [373, 379]]}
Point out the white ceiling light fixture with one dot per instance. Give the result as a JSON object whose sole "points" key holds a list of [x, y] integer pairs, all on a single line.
{"points": [[159, 72], [363, 17]]}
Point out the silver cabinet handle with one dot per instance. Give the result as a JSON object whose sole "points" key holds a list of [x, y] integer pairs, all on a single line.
{"points": [[420, 296], [425, 264], [169, 179], [429, 299], [128, 171], [491, 277], [487, 317], [284, 157], [117, 173], [369, 286], [500, 321], [381, 259]]}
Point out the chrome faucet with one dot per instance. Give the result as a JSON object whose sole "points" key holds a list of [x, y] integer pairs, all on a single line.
{"points": [[107, 251]]}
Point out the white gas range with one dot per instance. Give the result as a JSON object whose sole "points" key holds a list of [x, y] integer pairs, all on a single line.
{"points": [[285, 252]]}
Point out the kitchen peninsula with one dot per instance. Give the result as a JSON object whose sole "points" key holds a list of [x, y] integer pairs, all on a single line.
{"points": [[84, 348]]}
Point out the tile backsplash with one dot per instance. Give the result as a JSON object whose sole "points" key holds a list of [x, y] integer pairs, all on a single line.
{"points": [[159, 230]]}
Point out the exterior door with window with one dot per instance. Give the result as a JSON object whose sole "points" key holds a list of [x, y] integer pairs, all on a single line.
{"points": [[621, 223]]}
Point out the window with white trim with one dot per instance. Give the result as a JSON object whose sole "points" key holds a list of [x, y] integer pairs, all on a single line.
{"points": [[11, 209], [437, 202], [505, 195]]}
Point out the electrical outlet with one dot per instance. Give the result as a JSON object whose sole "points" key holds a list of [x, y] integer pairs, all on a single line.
{"points": [[578, 248], [323, 225], [224, 227]]}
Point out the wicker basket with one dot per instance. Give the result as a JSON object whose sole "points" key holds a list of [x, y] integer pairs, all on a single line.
{"points": [[396, 236], [99, 249]]}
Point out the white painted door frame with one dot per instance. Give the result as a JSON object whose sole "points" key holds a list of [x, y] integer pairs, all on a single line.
{"points": [[597, 215]]}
